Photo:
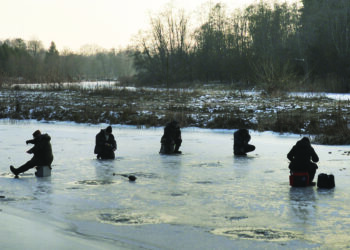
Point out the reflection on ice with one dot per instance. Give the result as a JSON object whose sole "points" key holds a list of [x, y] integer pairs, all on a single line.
{"points": [[302, 203], [206, 189]]}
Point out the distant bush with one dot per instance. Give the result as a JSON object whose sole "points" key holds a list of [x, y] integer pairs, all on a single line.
{"points": [[334, 133]]}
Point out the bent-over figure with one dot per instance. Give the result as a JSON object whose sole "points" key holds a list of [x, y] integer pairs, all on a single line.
{"points": [[303, 158], [240, 142], [105, 144], [171, 139], [42, 153]]}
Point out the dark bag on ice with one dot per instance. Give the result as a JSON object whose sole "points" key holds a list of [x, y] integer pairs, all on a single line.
{"points": [[325, 181]]}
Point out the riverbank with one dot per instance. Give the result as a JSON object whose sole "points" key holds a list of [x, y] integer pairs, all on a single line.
{"points": [[206, 107]]}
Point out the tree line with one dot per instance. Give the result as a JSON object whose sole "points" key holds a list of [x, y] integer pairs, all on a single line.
{"points": [[273, 45], [29, 61]]}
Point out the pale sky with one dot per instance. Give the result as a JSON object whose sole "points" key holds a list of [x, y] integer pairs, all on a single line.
{"points": [[74, 23]]}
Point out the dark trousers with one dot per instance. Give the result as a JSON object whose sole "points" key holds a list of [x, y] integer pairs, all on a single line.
{"points": [[170, 148], [106, 155], [310, 168], [167, 148], [243, 150], [312, 173], [34, 162], [177, 145]]}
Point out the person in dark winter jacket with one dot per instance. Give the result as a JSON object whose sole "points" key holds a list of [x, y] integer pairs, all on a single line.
{"points": [[240, 142], [42, 153], [303, 157], [171, 139], [105, 144]]}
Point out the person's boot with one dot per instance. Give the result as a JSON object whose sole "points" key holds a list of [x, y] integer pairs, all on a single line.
{"points": [[176, 151], [14, 171], [21, 169]]}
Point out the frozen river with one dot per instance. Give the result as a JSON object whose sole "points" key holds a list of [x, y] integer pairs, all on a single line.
{"points": [[203, 199]]}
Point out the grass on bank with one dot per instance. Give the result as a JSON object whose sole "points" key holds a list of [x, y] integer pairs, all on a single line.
{"points": [[208, 108]]}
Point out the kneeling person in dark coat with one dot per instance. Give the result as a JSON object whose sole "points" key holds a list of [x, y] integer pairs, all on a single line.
{"points": [[42, 152], [300, 157], [171, 139], [240, 142], [105, 144]]}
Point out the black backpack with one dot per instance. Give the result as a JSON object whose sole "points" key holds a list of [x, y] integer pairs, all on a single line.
{"points": [[325, 181]]}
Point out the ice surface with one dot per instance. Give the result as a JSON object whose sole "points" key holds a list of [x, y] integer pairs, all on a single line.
{"points": [[203, 199]]}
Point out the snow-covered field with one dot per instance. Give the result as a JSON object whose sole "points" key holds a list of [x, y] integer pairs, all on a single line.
{"points": [[203, 199]]}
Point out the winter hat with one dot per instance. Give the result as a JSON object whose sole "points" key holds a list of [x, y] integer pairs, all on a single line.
{"points": [[109, 129], [37, 133], [305, 140]]}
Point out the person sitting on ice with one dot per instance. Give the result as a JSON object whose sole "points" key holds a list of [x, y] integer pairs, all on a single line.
{"points": [[105, 144], [42, 153], [303, 158], [171, 139], [240, 142]]}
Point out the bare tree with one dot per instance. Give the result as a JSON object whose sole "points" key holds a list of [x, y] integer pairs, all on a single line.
{"points": [[161, 54]]}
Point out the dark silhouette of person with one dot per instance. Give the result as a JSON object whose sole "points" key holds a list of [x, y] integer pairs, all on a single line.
{"points": [[42, 153], [240, 142], [105, 144], [302, 158], [171, 139]]}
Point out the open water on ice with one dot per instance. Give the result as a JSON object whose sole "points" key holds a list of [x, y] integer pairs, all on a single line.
{"points": [[203, 199]]}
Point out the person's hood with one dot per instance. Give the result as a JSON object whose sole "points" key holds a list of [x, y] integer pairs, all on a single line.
{"points": [[303, 143], [45, 137]]}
